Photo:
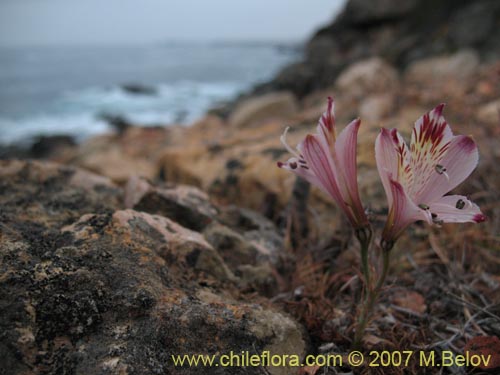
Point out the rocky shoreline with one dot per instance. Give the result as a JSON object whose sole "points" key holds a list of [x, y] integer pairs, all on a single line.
{"points": [[130, 247]]}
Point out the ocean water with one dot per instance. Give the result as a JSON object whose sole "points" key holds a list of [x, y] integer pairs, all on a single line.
{"points": [[62, 90]]}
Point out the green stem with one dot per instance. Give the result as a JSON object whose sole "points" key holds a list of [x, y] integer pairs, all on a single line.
{"points": [[365, 268], [367, 307], [364, 236]]}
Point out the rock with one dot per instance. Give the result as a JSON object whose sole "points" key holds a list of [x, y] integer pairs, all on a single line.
{"points": [[400, 32], [233, 167], [368, 76], [265, 107], [118, 122], [233, 247], [139, 89], [116, 165], [377, 107], [89, 288], [458, 66], [251, 246], [181, 244], [38, 188], [50, 146], [473, 23], [248, 260], [184, 204], [358, 12], [489, 113], [123, 156], [299, 78], [244, 220]]}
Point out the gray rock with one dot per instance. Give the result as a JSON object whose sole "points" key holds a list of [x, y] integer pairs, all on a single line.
{"points": [[262, 108], [186, 205], [473, 23], [366, 77], [88, 288], [361, 12]]}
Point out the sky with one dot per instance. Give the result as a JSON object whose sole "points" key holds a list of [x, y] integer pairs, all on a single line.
{"points": [[75, 22]]}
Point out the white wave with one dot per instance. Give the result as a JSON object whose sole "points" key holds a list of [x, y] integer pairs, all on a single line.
{"points": [[76, 112], [80, 126]]}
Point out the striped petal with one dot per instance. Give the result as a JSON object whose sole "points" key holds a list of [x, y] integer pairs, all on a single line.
{"points": [[456, 209], [392, 158], [453, 168], [318, 158], [402, 213], [430, 141], [345, 151], [301, 169], [326, 123]]}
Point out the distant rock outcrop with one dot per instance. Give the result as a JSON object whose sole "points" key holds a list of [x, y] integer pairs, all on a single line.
{"points": [[400, 31]]}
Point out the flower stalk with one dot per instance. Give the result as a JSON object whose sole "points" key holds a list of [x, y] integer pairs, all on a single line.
{"points": [[369, 302]]}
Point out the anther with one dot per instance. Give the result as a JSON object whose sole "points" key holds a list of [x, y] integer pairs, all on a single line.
{"points": [[423, 206], [440, 169], [293, 165], [460, 204]]}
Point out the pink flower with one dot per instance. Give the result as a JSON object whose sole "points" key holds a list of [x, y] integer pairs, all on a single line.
{"points": [[416, 179], [329, 162]]}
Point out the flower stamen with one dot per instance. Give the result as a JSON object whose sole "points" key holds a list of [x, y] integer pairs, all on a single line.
{"points": [[289, 149], [442, 170], [460, 204]]}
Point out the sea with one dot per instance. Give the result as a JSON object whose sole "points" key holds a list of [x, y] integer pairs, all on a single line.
{"points": [[66, 89]]}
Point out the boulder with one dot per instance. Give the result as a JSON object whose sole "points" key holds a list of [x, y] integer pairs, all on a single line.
{"points": [[489, 112], [139, 89], [262, 108], [114, 163], [358, 12], [42, 193], [368, 76], [186, 205], [473, 23], [87, 287], [377, 107], [51, 146], [255, 256], [458, 66], [124, 155]]}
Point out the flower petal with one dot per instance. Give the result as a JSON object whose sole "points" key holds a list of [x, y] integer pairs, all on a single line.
{"points": [[456, 209], [456, 165], [318, 158], [327, 119], [326, 126], [301, 169], [345, 151], [392, 157], [430, 140], [402, 213]]}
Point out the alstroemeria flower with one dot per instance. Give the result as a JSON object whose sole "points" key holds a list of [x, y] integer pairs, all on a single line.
{"points": [[329, 162], [416, 179]]}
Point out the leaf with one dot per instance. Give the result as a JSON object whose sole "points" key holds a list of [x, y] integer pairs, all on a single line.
{"points": [[485, 346]]}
